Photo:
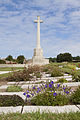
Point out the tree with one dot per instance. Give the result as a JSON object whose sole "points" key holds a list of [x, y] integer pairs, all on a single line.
{"points": [[20, 59], [9, 58], [77, 58], [52, 59], [65, 57]]}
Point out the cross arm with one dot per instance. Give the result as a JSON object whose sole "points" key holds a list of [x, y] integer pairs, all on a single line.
{"points": [[35, 21], [41, 21]]}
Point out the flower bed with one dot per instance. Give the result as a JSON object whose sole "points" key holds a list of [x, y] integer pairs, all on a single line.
{"points": [[50, 94]]}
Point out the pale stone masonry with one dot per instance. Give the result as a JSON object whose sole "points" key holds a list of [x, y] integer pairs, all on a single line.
{"points": [[38, 58]]}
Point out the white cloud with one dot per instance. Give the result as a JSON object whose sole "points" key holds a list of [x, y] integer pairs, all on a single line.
{"points": [[59, 32]]}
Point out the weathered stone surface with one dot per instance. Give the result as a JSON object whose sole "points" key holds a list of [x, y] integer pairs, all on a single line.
{"points": [[13, 65], [10, 109], [45, 109], [3, 72], [38, 58], [56, 109], [14, 93], [4, 86], [72, 84]]}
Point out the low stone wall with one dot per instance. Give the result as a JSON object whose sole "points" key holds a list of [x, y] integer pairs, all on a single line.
{"points": [[45, 109], [13, 65]]}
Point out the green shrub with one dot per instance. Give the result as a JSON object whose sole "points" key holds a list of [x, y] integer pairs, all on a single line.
{"points": [[47, 99], [77, 64], [76, 75], [62, 80], [45, 70], [38, 74], [49, 94], [66, 70], [75, 98], [71, 66], [76, 78], [10, 100], [56, 72], [14, 88]]}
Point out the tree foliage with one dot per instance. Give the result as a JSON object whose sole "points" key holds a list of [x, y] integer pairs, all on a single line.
{"points": [[20, 59], [65, 57], [77, 58], [9, 58], [52, 59]]}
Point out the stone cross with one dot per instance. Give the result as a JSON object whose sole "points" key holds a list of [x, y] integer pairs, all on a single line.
{"points": [[38, 21]]}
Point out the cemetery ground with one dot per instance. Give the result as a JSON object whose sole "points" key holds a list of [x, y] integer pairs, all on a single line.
{"points": [[44, 88], [39, 116]]}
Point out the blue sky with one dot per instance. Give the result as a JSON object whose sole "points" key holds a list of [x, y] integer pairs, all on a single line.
{"points": [[60, 31]]}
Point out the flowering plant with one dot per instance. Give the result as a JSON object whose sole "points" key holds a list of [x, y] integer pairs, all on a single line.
{"points": [[48, 94]]}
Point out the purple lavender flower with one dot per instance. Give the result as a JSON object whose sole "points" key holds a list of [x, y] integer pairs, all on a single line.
{"points": [[38, 88], [58, 85], [54, 94], [24, 93], [52, 82], [28, 96], [33, 87], [64, 88], [27, 91], [45, 86], [37, 91], [67, 92], [32, 94], [50, 86]]}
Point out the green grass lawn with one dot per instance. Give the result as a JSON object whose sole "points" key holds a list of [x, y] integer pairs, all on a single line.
{"points": [[5, 75], [9, 69], [43, 116]]}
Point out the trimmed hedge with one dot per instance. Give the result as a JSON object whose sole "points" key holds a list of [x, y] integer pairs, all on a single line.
{"points": [[75, 98], [10, 100]]}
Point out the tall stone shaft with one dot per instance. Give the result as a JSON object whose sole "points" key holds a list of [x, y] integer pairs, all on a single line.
{"points": [[38, 58], [38, 21]]}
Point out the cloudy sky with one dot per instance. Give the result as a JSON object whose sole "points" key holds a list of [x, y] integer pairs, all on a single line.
{"points": [[60, 31]]}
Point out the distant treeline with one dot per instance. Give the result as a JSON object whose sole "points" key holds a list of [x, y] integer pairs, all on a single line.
{"points": [[64, 57], [10, 60]]}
